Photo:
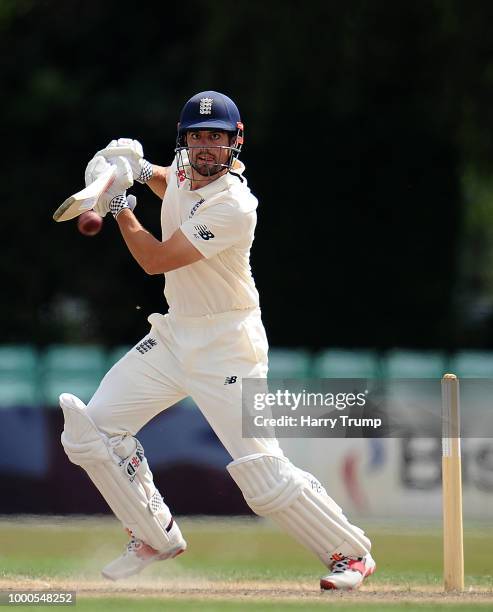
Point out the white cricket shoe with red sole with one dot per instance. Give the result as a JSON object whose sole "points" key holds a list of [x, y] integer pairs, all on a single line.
{"points": [[348, 573], [137, 556]]}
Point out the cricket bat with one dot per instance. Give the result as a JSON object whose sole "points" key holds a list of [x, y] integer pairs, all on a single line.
{"points": [[86, 199]]}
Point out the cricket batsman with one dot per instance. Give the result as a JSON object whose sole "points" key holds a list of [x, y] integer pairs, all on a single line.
{"points": [[211, 338]]}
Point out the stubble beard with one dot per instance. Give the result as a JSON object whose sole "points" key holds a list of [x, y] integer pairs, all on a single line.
{"points": [[207, 169]]}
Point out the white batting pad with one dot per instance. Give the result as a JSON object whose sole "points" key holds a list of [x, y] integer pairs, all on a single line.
{"points": [[119, 469], [272, 486]]}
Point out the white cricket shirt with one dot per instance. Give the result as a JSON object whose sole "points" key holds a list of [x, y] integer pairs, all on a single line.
{"points": [[219, 220]]}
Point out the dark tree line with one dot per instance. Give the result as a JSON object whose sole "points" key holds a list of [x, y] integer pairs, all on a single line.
{"points": [[360, 119]]}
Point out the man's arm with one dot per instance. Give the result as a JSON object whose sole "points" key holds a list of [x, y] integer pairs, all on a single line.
{"points": [[154, 256], [159, 180]]}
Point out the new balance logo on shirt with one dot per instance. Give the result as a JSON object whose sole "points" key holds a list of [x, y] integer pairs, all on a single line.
{"points": [[230, 380], [203, 232]]}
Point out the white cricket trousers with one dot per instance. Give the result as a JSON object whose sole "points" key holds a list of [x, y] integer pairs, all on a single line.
{"points": [[201, 357], [206, 358]]}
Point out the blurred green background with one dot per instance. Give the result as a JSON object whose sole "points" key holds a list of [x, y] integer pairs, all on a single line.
{"points": [[368, 143]]}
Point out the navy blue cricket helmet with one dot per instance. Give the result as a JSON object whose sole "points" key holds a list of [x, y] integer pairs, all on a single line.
{"points": [[210, 110]]}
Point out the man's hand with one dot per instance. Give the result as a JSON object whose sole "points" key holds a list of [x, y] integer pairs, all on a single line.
{"points": [[133, 153], [117, 190], [95, 168]]}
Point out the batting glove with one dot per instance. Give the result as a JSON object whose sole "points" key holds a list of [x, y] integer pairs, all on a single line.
{"points": [[133, 153], [122, 181], [121, 202]]}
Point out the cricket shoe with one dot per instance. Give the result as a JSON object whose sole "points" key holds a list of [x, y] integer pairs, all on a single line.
{"points": [[348, 573], [138, 555]]}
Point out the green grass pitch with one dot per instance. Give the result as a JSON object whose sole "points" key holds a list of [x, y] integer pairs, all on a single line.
{"points": [[239, 565]]}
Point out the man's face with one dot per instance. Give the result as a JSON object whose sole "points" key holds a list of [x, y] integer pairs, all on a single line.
{"points": [[205, 156]]}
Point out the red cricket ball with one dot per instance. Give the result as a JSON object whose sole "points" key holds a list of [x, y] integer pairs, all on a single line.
{"points": [[89, 223]]}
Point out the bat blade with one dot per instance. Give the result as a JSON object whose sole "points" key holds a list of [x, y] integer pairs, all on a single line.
{"points": [[86, 199]]}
